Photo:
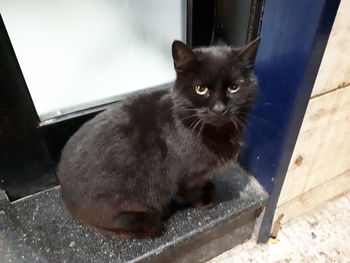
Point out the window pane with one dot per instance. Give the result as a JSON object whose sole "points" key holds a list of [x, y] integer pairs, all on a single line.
{"points": [[78, 54]]}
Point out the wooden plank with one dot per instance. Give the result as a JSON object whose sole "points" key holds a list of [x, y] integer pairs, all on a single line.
{"points": [[334, 71], [322, 150], [331, 155], [314, 197]]}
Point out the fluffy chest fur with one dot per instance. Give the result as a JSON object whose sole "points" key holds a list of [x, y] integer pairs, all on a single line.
{"points": [[155, 129]]}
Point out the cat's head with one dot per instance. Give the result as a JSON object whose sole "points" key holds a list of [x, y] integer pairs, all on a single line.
{"points": [[213, 84]]}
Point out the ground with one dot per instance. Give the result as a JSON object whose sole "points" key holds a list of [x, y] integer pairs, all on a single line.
{"points": [[323, 235]]}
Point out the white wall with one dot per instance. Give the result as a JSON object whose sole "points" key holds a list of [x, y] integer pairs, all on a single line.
{"points": [[75, 54]]}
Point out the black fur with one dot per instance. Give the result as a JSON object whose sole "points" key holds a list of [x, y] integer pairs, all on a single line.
{"points": [[121, 170]]}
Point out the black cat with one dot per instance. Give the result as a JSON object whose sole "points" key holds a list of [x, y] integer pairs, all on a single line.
{"points": [[120, 171]]}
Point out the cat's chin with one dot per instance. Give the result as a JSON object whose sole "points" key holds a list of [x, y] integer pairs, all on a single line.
{"points": [[216, 123]]}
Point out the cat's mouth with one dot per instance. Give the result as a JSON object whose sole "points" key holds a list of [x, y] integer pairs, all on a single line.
{"points": [[203, 117], [216, 122], [213, 119]]}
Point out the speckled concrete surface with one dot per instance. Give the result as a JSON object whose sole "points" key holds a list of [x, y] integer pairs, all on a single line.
{"points": [[323, 235], [38, 229]]}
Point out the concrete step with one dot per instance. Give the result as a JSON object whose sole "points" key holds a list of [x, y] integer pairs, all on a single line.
{"points": [[39, 229]]}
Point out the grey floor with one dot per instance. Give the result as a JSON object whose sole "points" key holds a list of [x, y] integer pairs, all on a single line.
{"points": [[39, 229], [323, 235]]}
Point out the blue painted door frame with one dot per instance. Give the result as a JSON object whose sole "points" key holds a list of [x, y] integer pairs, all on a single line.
{"points": [[294, 35]]}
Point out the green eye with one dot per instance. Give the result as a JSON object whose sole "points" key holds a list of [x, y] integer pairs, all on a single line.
{"points": [[233, 89], [201, 90]]}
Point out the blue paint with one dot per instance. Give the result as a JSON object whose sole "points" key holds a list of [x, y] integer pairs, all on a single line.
{"points": [[294, 35], [290, 32]]}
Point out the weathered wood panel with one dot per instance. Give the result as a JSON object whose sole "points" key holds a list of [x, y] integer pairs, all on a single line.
{"points": [[335, 67], [323, 146], [314, 197]]}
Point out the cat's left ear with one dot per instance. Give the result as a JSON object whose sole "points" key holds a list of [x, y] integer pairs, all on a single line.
{"points": [[248, 53]]}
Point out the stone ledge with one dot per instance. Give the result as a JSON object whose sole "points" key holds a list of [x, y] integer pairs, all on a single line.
{"points": [[38, 229]]}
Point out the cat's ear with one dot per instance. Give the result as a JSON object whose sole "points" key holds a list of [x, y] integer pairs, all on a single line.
{"points": [[183, 56], [248, 53]]}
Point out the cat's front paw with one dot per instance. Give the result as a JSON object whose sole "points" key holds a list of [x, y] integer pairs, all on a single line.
{"points": [[206, 200], [204, 206]]}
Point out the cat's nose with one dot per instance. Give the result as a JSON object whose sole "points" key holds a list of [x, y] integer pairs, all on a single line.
{"points": [[219, 107]]}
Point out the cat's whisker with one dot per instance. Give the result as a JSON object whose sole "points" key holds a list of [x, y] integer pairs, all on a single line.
{"points": [[247, 121], [262, 120], [175, 106], [201, 129], [241, 118], [191, 116], [237, 125], [190, 109], [259, 133], [195, 126], [167, 111], [192, 124]]}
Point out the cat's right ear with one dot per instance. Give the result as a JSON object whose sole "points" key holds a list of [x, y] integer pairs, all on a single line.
{"points": [[248, 53], [183, 56]]}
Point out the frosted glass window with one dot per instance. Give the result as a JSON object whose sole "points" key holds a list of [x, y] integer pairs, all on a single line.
{"points": [[78, 54]]}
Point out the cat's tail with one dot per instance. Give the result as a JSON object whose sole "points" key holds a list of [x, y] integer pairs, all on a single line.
{"points": [[134, 225]]}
